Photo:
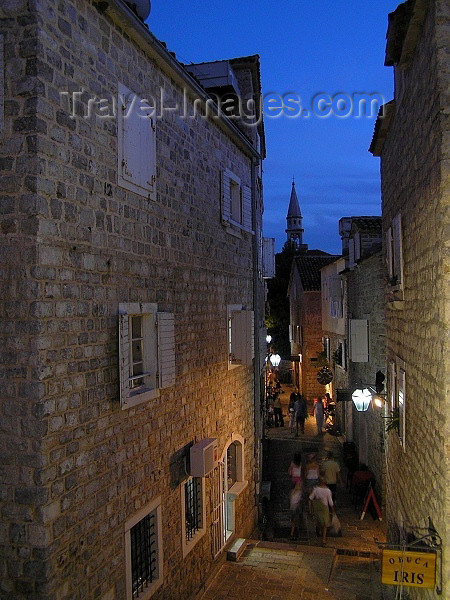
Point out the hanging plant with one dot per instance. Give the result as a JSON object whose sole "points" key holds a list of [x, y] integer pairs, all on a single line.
{"points": [[337, 356], [393, 421], [321, 360]]}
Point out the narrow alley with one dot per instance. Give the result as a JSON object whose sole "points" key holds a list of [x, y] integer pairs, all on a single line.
{"points": [[276, 567]]}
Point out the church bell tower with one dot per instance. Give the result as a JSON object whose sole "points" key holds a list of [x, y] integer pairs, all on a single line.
{"points": [[294, 227]]}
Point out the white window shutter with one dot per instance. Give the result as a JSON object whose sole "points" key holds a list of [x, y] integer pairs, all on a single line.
{"points": [[124, 358], [268, 250], [131, 148], [226, 204], [137, 142], [242, 337], [166, 349], [359, 340], [247, 207]]}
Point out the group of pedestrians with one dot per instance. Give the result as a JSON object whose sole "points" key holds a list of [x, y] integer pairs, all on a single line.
{"points": [[318, 482], [298, 412]]}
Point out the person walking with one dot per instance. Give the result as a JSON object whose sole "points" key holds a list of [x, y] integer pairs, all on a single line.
{"points": [[295, 469], [294, 395], [295, 505], [291, 415], [318, 413], [278, 411], [321, 504], [301, 412], [312, 472], [331, 472]]}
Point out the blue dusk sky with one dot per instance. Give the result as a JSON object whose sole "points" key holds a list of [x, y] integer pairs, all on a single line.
{"points": [[323, 54]]}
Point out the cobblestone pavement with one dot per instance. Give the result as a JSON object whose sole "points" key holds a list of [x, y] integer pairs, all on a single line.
{"points": [[279, 571], [275, 567]]}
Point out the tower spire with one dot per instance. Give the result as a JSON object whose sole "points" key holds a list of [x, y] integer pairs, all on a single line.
{"points": [[294, 227]]}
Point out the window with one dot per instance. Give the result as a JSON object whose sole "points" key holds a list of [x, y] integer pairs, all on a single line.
{"points": [[146, 352], [143, 547], [339, 355], [394, 254], [236, 202], [193, 507], [234, 464], [136, 143], [231, 465], [359, 340], [396, 392], [401, 376], [240, 336], [231, 469], [336, 294]]}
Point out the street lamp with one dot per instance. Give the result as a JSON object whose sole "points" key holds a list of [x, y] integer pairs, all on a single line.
{"points": [[275, 360], [361, 399], [268, 338]]}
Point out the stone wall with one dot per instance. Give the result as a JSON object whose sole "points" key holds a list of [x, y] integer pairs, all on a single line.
{"points": [[415, 182], [74, 246], [311, 313], [365, 294]]}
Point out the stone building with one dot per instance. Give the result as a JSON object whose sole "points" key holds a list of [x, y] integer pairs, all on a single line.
{"points": [[131, 305], [305, 306], [364, 285], [411, 137], [334, 332], [353, 331]]}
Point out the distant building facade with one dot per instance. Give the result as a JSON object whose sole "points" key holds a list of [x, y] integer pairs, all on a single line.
{"points": [[412, 141], [305, 304], [334, 331], [132, 309]]}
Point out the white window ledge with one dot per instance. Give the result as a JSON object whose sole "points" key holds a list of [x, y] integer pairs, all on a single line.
{"points": [[236, 489]]}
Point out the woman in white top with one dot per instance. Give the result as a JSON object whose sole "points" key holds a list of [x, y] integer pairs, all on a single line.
{"points": [[295, 469], [322, 507]]}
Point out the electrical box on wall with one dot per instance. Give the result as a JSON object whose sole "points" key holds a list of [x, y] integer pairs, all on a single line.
{"points": [[203, 457]]}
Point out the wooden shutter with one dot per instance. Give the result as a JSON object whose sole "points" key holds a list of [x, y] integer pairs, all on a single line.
{"points": [[137, 142], [242, 341], [359, 340], [225, 193], [247, 208], [124, 358], [166, 349]]}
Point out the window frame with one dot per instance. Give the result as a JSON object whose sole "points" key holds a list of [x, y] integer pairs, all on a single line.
{"points": [[158, 349], [236, 212], [401, 402], [229, 214], [394, 254], [341, 353], [240, 483], [396, 393], [153, 508], [188, 543]]}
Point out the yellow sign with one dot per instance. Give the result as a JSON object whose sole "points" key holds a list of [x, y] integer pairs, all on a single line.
{"points": [[413, 569]]}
